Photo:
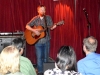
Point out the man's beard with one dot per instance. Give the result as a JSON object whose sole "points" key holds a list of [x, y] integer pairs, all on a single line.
{"points": [[42, 14]]}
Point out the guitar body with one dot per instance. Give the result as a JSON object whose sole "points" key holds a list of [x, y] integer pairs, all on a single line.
{"points": [[32, 38]]}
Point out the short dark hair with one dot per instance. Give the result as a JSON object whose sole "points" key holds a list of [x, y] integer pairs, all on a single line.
{"points": [[41, 6], [66, 57], [18, 42]]}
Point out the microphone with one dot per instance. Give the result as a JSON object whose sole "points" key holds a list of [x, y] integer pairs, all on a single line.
{"points": [[84, 9]]}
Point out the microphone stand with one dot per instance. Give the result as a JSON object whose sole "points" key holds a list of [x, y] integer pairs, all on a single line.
{"points": [[89, 26], [88, 23]]}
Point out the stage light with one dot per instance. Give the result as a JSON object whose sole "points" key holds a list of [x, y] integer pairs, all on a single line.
{"points": [[55, 0]]}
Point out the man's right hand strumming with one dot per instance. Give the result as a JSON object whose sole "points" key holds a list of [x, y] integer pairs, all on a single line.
{"points": [[36, 31]]}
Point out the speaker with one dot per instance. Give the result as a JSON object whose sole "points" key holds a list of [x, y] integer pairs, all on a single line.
{"points": [[47, 66], [5, 42], [7, 38]]}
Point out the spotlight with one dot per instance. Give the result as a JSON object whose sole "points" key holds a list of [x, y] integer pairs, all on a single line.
{"points": [[55, 0]]}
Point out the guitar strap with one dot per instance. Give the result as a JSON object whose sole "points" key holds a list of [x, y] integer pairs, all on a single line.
{"points": [[47, 31]]}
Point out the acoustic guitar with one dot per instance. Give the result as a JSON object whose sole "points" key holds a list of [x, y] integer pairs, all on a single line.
{"points": [[32, 38]]}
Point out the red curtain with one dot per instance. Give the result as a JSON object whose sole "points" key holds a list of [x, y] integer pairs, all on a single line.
{"points": [[14, 14]]}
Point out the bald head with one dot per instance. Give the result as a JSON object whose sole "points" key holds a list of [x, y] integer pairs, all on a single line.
{"points": [[90, 43], [91, 40]]}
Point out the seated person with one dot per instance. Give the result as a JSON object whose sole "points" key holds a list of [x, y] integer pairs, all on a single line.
{"points": [[9, 61], [65, 64], [89, 65], [26, 66]]}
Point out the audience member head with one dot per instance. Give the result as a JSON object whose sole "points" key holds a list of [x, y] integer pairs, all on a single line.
{"points": [[66, 58], [9, 60], [19, 43], [89, 44]]}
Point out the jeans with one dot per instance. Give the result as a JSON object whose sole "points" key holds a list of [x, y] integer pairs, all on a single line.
{"points": [[42, 54]]}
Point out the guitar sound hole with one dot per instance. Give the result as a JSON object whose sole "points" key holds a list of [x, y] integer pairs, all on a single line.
{"points": [[33, 35]]}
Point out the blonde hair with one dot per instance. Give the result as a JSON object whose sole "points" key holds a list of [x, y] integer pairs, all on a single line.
{"points": [[9, 60]]}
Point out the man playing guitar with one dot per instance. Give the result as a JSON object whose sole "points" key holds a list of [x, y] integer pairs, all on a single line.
{"points": [[42, 46]]}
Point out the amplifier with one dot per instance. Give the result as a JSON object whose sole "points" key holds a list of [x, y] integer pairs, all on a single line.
{"points": [[6, 39], [11, 33]]}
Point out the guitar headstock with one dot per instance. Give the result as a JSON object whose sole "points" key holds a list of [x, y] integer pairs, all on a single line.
{"points": [[60, 22]]}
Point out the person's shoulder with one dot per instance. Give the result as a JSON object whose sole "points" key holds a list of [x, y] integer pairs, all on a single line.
{"points": [[48, 16], [22, 58], [94, 56], [82, 60], [97, 54], [35, 17]]}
